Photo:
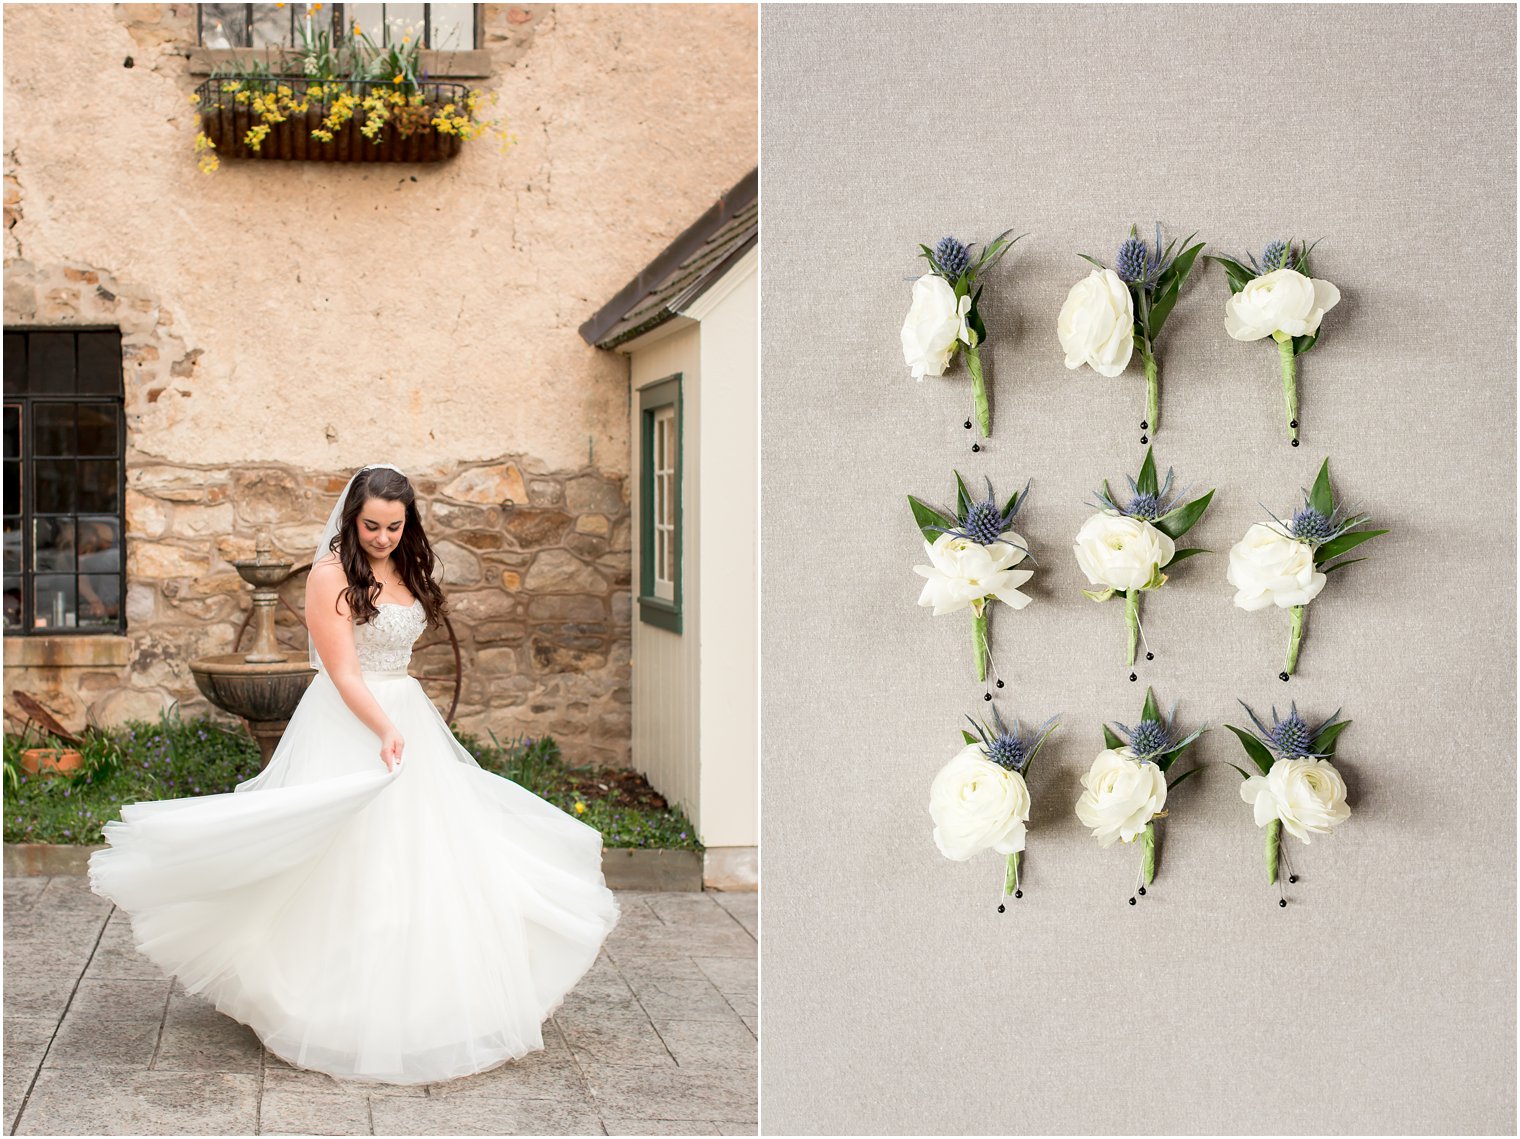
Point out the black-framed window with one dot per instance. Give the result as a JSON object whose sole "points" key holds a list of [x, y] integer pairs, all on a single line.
{"points": [[446, 27], [65, 481], [660, 503]]}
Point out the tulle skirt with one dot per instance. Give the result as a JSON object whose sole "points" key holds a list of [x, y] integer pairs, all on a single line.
{"points": [[398, 926]]}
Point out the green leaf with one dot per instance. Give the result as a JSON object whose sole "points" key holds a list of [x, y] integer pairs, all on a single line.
{"points": [[974, 320], [1325, 740], [968, 737], [1176, 523], [1156, 580], [1094, 260], [1254, 748], [1098, 595], [1148, 710], [1320, 496], [1147, 480], [1013, 499], [1110, 740], [1190, 771], [1302, 344], [1187, 553], [1244, 774], [1039, 743], [1166, 294], [926, 516], [1237, 274], [962, 495], [1337, 546], [1341, 565], [1167, 758], [995, 249]]}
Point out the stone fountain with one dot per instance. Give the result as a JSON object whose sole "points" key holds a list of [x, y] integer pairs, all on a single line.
{"points": [[265, 685]]}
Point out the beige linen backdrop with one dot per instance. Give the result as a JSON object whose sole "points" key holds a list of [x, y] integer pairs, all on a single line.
{"points": [[1383, 998]]}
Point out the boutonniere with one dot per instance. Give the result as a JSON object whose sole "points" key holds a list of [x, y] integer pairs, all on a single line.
{"points": [[1124, 548], [980, 800], [971, 558], [1126, 787], [1286, 563], [1278, 298], [1298, 789], [1111, 312], [944, 316]]}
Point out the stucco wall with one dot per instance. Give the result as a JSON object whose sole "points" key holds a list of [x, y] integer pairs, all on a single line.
{"points": [[319, 316]]}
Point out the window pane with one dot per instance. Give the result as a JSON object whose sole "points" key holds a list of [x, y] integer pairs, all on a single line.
{"points": [[271, 25], [15, 363], [369, 17], [50, 362], [12, 546], [53, 601], [452, 27], [224, 25], [13, 604], [670, 555], [12, 486], [13, 431], [100, 363], [53, 484], [99, 598], [98, 481], [97, 429], [53, 544], [403, 20], [53, 429]]}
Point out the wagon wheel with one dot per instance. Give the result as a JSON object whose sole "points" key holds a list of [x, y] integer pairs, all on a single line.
{"points": [[301, 618]]}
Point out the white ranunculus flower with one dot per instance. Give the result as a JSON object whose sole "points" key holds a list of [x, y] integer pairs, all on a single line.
{"points": [[1122, 795], [977, 804], [1118, 552], [1283, 300], [1308, 795], [1269, 568], [936, 323], [963, 572], [1097, 323]]}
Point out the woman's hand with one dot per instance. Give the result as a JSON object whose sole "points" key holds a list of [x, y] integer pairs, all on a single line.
{"points": [[391, 744]]}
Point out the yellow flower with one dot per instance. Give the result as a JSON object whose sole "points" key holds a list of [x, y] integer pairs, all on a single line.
{"points": [[580, 808], [358, 31], [195, 98], [398, 79]]}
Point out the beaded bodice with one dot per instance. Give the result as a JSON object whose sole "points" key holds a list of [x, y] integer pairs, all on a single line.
{"points": [[385, 643]]}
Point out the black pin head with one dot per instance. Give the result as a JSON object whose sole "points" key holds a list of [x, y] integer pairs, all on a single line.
{"points": [[1132, 676], [1292, 877], [978, 446], [1283, 902], [1000, 684], [1002, 908], [1132, 901], [1282, 676], [1142, 891], [1145, 438], [1150, 656], [1018, 893], [968, 425], [1144, 424], [986, 696], [1295, 442], [1293, 423]]}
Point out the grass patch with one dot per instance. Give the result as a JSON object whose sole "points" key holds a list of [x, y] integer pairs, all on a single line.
{"points": [[142, 761]]}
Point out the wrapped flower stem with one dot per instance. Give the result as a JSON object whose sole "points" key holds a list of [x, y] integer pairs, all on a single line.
{"points": [[978, 385], [1289, 381], [1011, 874], [1132, 621], [1148, 852], [1295, 637], [1152, 390], [979, 643], [1274, 845]]}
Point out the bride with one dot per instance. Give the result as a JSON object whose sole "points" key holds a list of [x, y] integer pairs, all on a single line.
{"points": [[373, 904]]}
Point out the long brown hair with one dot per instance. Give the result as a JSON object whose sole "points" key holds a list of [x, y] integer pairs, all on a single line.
{"points": [[412, 557]]}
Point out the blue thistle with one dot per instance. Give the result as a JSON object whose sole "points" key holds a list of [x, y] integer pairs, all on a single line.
{"points": [[1309, 525], [1151, 739], [986, 521], [1277, 255], [952, 257], [1011, 748], [1142, 505], [1290, 737], [1139, 264]]}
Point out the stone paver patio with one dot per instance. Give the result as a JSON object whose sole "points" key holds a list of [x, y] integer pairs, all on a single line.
{"points": [[657, 1039]]}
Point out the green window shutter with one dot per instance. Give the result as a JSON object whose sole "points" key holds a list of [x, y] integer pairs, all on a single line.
{"points": [[660, 533]]}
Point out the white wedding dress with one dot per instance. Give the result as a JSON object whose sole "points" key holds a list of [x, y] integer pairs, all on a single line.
{"points": [[400, 926]]}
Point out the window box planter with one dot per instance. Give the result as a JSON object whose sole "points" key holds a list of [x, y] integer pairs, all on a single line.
{"points": [[409, 133]]}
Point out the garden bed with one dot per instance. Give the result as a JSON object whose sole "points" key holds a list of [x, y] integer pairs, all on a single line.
{"points": [[173, 758]]}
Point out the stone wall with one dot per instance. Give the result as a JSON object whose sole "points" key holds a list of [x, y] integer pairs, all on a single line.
{"points": [[284, 323]]}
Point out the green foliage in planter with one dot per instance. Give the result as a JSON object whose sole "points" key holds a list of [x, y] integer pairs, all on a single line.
{"points": [[142, 761]]}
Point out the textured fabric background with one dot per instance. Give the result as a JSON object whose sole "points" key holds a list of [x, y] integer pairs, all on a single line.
{"points": [[1383, 998]]}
